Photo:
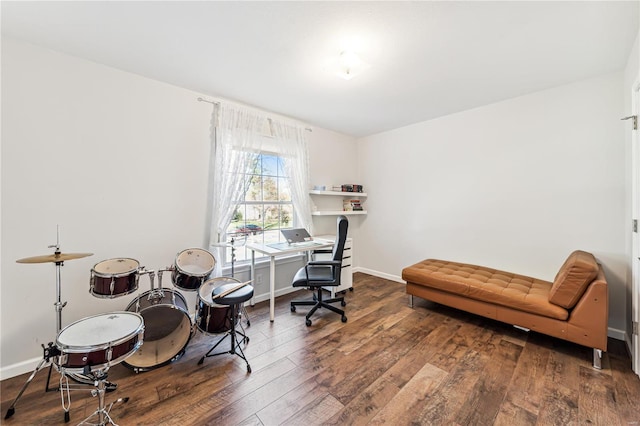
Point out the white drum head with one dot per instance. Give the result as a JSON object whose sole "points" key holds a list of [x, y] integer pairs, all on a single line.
{"points": [[206, 289], [100, 330], [116, 266], [195, 262]]}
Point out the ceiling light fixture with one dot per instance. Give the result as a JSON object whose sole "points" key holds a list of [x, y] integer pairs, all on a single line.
{"points": [[349, 65]]}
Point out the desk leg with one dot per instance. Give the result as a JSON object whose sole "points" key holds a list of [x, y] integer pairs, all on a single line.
{"points": [[253, 272], [272, 287]]}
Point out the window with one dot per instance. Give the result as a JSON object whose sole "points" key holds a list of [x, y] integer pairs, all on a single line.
{"points": [[266, 206], [259, 173]]}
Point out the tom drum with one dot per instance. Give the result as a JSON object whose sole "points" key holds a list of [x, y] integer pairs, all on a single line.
{"points": [[114, 277], [191, 268]]}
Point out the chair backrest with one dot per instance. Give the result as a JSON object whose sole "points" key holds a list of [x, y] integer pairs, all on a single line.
{"points": [[341, 237]]}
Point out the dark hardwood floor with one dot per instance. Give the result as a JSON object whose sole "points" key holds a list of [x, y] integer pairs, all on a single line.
{"points": [[388, 364]]}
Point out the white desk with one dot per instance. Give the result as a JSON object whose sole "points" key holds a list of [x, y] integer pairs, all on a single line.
{"points": [[273, 253]]}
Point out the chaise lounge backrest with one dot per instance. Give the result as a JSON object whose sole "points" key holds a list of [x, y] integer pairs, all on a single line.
{"points": [[573, 278]]}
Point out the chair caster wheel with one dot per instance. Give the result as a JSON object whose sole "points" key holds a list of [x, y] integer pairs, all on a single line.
{"points": [[343, 303], [344, 319], [293, 308], [308, 322]]}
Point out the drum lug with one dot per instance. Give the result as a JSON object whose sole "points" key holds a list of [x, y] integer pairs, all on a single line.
{"points": [[156, 296], [109, 354], [112, 286]]}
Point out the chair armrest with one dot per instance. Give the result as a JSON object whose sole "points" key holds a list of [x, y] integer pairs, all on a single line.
{"points": [[335, 264]]}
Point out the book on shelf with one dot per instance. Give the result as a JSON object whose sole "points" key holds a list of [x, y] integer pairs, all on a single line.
{"points": [[352, 205]]}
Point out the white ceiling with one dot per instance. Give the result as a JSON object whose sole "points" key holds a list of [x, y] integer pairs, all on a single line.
{"points": [[428, 58]]}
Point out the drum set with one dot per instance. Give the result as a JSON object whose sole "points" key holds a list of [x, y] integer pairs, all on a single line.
{"points": [[168, 327], [153, 330]]}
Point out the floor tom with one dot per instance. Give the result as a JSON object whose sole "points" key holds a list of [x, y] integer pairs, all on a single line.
{"points": [[212, 318]]}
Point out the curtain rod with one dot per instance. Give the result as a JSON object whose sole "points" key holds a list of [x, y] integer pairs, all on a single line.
{"points": [[308, 129], [209, 102]]}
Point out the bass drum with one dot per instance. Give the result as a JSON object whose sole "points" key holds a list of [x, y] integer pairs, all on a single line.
{"points": [[167, 328]]}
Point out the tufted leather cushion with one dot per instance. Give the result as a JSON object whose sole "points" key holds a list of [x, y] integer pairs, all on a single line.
{"points": [[486, 284], [572, 279]]}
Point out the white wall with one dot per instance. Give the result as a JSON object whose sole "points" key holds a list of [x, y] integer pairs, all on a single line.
{"points": [[515, 185], [120, 162], [334, 163]]}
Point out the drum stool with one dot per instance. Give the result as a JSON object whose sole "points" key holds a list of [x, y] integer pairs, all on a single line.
{"points": [[234, 300]]}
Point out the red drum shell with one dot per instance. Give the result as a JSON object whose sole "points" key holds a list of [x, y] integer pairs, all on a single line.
{"points": [[114, 278], [191, 268], [212, 318], [81, 345]]}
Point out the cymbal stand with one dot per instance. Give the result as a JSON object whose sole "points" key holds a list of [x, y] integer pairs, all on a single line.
{"points": [[50, 350], [58, 304]]}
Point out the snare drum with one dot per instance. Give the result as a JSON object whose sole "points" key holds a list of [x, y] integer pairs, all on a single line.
{"points": [[114, 277], [167, 328], [99, 342], [212, 318], [191, 268]]}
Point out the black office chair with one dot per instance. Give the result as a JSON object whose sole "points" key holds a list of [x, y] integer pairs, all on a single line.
{"points": [[323, 273]]}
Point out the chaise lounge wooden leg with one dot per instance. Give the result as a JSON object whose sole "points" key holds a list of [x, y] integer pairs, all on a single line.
{"points": [[411, 300]]}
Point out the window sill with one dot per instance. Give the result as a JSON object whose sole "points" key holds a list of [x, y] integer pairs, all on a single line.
{"points": [[245, 265]]}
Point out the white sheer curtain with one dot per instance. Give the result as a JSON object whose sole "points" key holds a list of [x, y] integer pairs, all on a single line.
{"points": [[236, 138], [292, 146], [237, 135]]}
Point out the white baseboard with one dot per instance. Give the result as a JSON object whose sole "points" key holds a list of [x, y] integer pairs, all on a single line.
{"points": [[614, 333], [278, 292], [379, 274], [20, 368]]}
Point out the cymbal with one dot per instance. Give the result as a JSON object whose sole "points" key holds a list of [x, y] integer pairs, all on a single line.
{"points": [[54, 258]]}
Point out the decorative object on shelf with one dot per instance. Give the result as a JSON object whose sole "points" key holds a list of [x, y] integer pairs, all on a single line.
{"points": [[351, 188]]}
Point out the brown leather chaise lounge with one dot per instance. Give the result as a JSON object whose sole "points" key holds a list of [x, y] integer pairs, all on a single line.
{"points": [[574, 307]]}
